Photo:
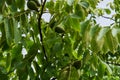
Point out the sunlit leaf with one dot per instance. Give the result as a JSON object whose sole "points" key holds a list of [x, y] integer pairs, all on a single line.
{"points": [[111, 41], [84, 4], [107, 11], [84, 26], [75, 24], [70, 2], [102, 33], [105, 65], [101, 69]]}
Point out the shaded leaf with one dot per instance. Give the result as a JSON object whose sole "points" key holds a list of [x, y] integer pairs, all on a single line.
{"points": [[79, 11], [8, 62], [8, 30], [17, 36], [31, 53], [74, 75]]}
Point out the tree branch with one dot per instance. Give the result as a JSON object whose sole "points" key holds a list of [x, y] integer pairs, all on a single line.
{"points": [[109, 18], [39, 27]]}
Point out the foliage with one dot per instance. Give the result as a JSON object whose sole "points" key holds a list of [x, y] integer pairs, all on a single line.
{"points": [[71, 46]]}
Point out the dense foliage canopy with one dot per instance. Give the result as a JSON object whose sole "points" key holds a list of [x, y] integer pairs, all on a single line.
{"points": [[71, 46]]}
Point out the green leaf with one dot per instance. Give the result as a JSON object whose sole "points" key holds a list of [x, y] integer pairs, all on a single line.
{"points": [[37, 68], [86, 56], [105, 65], [17, 36], [93, 3], [85, 32], [3, 77], [105, 48], [112, 6], [68, 8], [111, 41], [102, 33], [84, 25], [23, 20], [101, 69], [118, 37], [94, 31], [84, 4], [13, 6], [107, 11], [115, 31], [64, 75], [16, 51], [20, 4], [16, 55], [75, 16], [8, 62], [70, 2], [34, 25], [9, 2], [57, 47], [79, 11], [8, 30], [58, 5], [31, 72], [50, 6], [31, 53], [109, 70], [22, 71], [1, 19], [74, 75], [94, 46], [75, 24]]}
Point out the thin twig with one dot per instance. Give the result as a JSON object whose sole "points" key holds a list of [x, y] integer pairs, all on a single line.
{"points": [[109, 18], [39, 27]]}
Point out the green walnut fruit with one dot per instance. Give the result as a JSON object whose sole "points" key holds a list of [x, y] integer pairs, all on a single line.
{"points": [[32, 5], [59, 30], [36, 1], [77, 64]]}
